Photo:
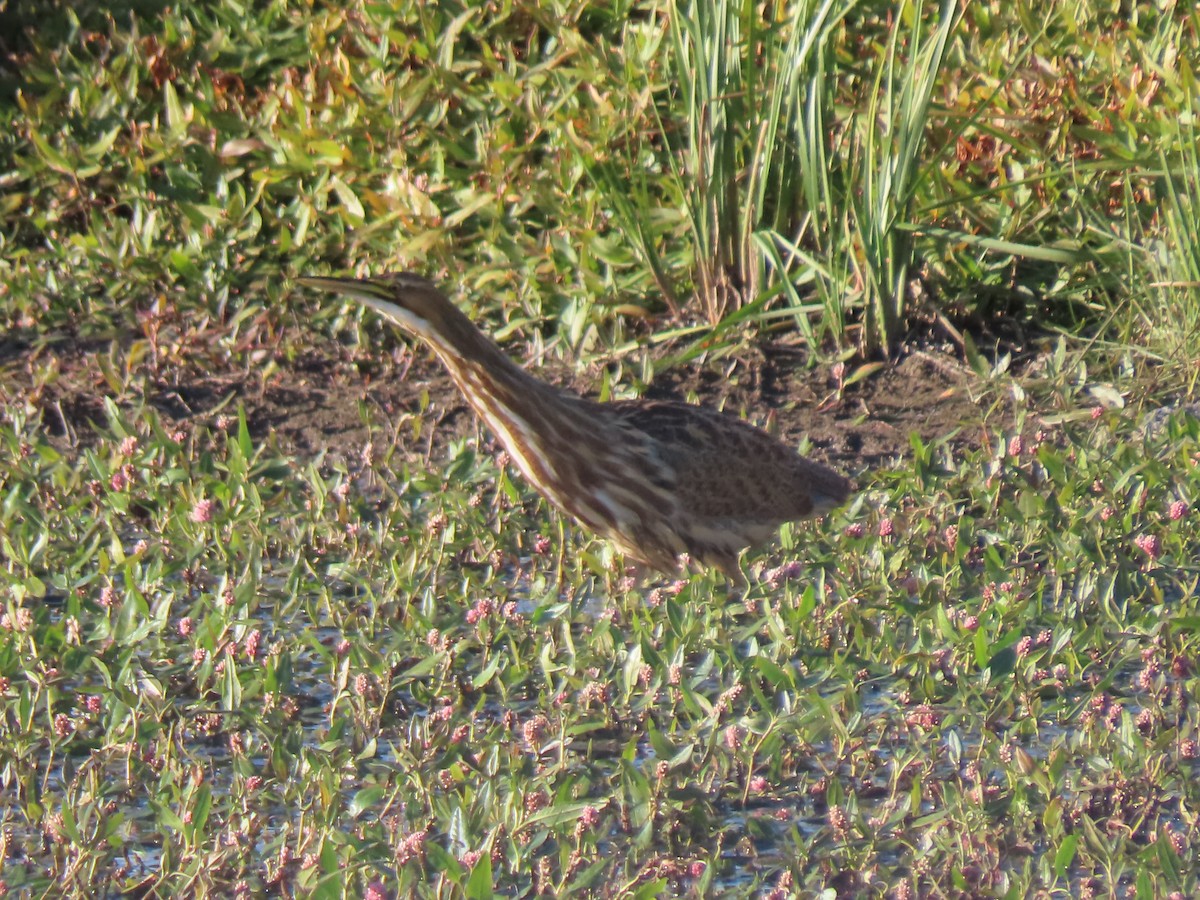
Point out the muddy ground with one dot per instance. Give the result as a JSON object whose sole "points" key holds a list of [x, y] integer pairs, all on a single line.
{"points": [[324, 399]]}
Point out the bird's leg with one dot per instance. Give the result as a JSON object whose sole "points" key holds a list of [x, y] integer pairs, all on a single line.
{"points": [[560, 566], [737, 579]]}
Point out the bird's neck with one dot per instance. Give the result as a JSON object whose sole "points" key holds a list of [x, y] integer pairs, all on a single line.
{"points": [[532, 419], [483, 372]]}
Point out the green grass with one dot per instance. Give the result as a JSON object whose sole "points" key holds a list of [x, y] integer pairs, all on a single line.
{"points": [[227, 667], [224, 666]]}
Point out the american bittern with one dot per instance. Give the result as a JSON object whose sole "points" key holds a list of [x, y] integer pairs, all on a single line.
{"points": [[656, 478]]}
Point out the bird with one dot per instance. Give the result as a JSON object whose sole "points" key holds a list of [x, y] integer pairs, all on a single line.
{"points": [[658, 478]]}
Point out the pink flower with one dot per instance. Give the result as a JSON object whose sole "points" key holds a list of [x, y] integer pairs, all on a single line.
{"points": [[62, 725], [470, 858], [253, 639], [1015, 445], [758, 784], [1097, 412], [854, 530], [1178, 510], [541, 545], [19, 622], [590, 817], [185, 626], [202, 511], [1024, 646], [839, 820], [697, 868], [596, 691], [375, 891], [733, 737], [412, 846], [886, 527], [787, 572], [1150, 544], [119, 481], [922, 716], [535, 801], [482, 609], [534, 730], [950, 536]]}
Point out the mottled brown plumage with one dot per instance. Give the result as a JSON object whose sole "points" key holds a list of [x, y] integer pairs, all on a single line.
{"points": [[656, 478]]}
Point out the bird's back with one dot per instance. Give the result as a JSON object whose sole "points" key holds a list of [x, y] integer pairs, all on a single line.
{"points": [[734, 483]]}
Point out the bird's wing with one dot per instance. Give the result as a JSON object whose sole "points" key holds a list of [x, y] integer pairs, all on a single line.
{"points": [[727, 470]]}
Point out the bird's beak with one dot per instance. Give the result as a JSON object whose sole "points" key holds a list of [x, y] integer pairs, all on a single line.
{"points": [[360, 288], [378, 294]]}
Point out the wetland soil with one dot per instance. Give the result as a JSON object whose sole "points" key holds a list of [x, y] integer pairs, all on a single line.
{"points": [[336, 399]]}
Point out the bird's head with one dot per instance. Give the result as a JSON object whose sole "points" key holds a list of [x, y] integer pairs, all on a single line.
{"points": [[412, 302]]}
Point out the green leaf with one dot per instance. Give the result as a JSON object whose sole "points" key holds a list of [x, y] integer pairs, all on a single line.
{"points": [[557, 814], [479, 885], [173, 111], [365, 799], [349, 200], [1002, 662], [243, 434], [1067, 255], [50, 156], [103, 144], [441, 860], [1065, 855], [201, 806], [231, 687], [651, 890], [778, 677]]}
